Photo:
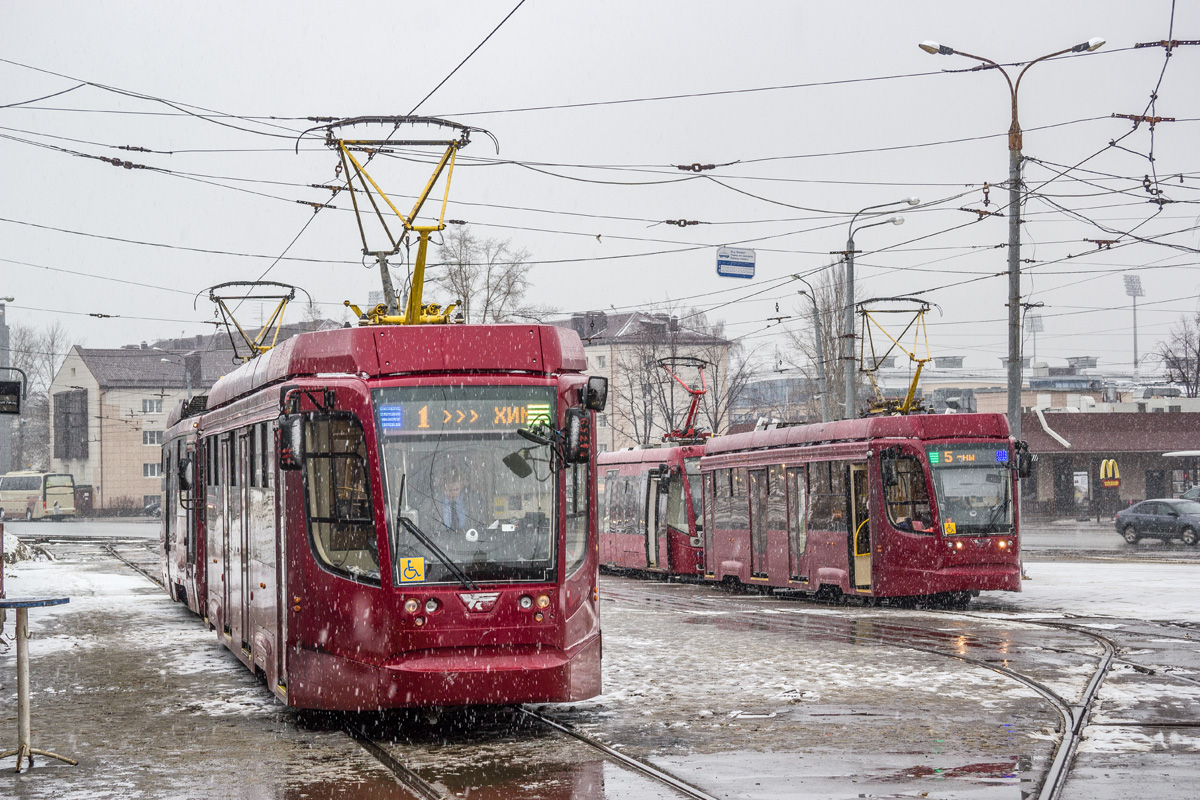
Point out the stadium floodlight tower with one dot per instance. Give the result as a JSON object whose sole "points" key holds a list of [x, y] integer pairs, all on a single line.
{"points": [[1133, 288]]}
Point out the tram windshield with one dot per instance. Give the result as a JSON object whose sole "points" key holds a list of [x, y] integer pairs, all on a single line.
{"points": [[457, 511], [973, 485]]}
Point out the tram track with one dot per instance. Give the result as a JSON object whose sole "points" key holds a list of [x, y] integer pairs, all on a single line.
{"points": [[1072, 716]]}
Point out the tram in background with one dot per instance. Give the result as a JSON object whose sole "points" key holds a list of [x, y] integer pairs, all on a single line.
{"points": [[388, 517], [654, 512], [900, 506]]}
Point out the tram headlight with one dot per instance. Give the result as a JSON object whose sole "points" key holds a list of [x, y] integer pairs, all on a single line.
{"points": [[1002, 544], [419, 622], [538, 616], [526, 602], [543, 601], [431, 605], [411, 605], [958, 545]]}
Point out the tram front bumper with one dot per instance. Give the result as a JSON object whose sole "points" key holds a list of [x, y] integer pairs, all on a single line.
{"points": [[491, 675]]}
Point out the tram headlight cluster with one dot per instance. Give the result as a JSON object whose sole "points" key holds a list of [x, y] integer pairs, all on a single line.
{"points": [[526, 602]]}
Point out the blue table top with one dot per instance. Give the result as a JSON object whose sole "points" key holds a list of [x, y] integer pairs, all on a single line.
{"points": [[32, 602]]}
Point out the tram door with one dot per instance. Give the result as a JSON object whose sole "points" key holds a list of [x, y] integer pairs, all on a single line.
{"points": [[226, 492], [652, 521], [233, 540], [758, 523], [243, 491], [860, 526]]}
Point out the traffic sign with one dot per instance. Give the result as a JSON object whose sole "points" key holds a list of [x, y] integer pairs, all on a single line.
{"points": [[735, 262]]}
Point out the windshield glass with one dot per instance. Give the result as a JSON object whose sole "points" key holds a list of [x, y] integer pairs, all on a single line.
{"points": [[972, 483], [1188, 507], [467, 498]]}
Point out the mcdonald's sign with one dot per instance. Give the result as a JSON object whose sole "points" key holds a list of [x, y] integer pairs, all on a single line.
{"points": [[1110, 473]]}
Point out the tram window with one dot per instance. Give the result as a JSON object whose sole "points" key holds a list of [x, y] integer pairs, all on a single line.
{"points": [[907, 500], [739, 507], [252, 462], [611, 482], [692, 471], [231, 467], [264, 451], [776, 500], [797, 501], [577, 516], [676, 508], [723, 499], [827, 496], [340, 513]]}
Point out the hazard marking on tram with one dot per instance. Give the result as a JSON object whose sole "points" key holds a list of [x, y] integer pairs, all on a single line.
{"points": [[412, 570]]}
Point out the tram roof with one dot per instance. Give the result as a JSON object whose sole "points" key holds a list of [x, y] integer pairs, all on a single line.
{"points": [[374, 352], [912, 426]]}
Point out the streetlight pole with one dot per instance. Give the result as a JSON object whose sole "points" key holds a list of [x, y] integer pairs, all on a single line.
{"points": [[187, 373], [849, 370], [821, 381], [1014, 216]]}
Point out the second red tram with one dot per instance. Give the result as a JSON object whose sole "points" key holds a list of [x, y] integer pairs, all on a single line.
{"points": [[904, 506], [654, 517], [395, 516]]}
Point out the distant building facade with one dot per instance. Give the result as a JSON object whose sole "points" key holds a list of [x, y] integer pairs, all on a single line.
{"points": [[625, 348], [108, 411]]}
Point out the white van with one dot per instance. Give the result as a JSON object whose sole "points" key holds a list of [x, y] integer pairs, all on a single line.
{"points": [[30, 494]]}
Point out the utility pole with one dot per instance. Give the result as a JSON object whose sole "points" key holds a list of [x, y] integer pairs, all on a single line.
{"points": [[1014, 215]]}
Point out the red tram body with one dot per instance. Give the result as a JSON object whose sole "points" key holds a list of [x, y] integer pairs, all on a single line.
{"points": [[347, 515], [904, 506], [654, 507]]}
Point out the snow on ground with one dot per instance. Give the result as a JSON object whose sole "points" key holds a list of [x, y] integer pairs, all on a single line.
{"points": [[1125, 590]]}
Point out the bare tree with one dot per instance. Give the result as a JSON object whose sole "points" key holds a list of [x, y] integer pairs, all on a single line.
{"points": [[39, 353], [1180, 354], [830, 289], [647, 401], [489, 277]]}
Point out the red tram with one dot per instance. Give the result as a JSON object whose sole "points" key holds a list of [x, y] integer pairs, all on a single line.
{"points": [[654, 509], [901, 506], [384, 517]]}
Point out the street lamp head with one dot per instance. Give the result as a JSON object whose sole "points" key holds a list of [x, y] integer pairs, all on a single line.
{"points": [[933, 48], [896, 220], [8, 299], [1091, 45], [913, 201]]}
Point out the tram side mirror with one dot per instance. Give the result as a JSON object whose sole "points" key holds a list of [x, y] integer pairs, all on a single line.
{"points": [[289, 439], [887, 463], [595, 393], [517, 464], [184, 473], [1024, 460], [578, 437]]}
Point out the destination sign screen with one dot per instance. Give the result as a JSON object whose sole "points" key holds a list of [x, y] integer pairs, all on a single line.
{"points": [[970, 455], [462, 409]]}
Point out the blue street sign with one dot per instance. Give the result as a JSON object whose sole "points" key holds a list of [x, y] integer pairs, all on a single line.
{"points": [[735, 262]]}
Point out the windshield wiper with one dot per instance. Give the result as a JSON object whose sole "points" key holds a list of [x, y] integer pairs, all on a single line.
{"points": [[421, 537]]}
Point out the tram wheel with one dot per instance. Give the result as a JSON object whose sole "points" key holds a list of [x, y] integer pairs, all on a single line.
{"points": [[1189, 537], [1131, 535]]}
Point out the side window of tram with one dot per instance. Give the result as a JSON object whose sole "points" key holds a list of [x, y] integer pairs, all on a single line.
{"points": [[739, 507], [908, 499], [723, 499], [797, 497], [827, 496], [577, 516], [340, 515]]}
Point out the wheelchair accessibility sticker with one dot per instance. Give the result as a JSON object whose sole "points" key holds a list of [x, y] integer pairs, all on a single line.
{"points": [[412, 570], [948, 526]]}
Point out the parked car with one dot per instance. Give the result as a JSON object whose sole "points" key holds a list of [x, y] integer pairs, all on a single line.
{"points": [[1161, 519], [1191, 494]]}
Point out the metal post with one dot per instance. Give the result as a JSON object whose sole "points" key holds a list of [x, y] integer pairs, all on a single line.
{"points": [[848, 330], [1014, 281], [389, 293], [822, 386], [1135, 352], [23, 746]]}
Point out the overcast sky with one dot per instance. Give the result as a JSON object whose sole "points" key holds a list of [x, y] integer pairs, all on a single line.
{"points": [[849, 113]]}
